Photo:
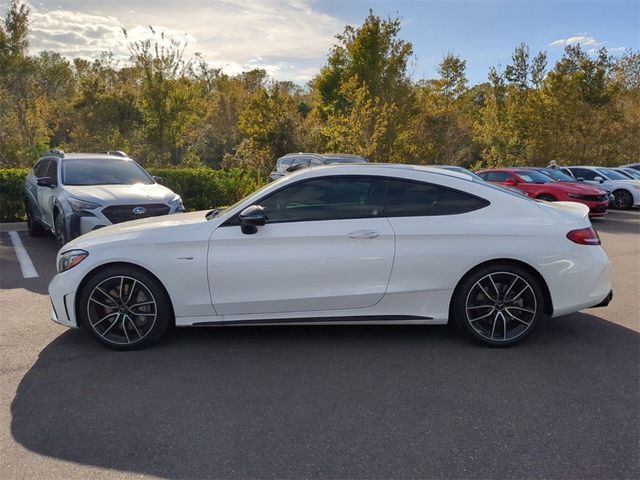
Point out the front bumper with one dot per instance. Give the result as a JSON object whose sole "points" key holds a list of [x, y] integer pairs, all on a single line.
{"points": [[62, 293]]}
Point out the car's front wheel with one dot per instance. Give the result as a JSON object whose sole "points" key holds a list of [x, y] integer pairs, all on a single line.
{"points": [[124, 308], [622, 199], [498, 305], [546, 198]]}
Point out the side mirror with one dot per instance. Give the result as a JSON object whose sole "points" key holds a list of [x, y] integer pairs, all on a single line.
{"points": [[251, 218], [511, 181], [157, 179], [599, 179], [47, 182], [580, 179]]}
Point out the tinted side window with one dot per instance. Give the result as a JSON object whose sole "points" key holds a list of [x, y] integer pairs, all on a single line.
{"points": [[411, 199], [325, 199], [52, 170], [584, 173], [40, 168]]}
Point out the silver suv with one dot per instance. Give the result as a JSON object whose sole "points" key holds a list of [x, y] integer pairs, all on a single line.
{"points": [[292, 162], [72, 194]]}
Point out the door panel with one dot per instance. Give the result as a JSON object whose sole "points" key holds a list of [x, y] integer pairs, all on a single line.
{"points": [[301, 266]]}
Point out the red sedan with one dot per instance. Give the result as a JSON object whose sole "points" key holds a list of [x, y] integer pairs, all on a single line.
{"points": [[540, 186]]}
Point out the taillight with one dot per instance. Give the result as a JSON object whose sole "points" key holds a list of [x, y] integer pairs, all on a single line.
{"points": [[584, 236]]}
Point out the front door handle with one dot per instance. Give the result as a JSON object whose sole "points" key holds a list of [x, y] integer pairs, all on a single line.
{"points": [[364, 234]]}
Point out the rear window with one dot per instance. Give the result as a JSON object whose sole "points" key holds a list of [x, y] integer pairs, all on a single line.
{"points": [[339, 159], [495, 176], [412, 199]]}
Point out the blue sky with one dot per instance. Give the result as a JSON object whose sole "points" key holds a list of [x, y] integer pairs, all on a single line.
{"points": [[291, 38], [486, 32]]}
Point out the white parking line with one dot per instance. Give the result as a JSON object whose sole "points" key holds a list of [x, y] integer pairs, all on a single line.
{"points": [[26, 265]]}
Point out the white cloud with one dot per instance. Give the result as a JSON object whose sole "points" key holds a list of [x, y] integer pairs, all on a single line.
{"points": [[587, 41], [289, 38], [576, 39]]}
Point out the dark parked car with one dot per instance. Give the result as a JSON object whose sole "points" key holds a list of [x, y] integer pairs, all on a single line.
{"points": [[72, 194], [292, 162], [635, 166]]}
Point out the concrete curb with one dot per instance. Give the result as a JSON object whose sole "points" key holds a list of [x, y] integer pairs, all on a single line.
{"points": [[13, 227]]}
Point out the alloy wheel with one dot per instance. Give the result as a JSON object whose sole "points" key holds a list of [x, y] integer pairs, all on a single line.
{"points": [[501, 306], [122, 310], [622, 199]]}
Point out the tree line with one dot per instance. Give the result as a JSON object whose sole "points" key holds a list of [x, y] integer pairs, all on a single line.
{"points": [[167, 109]]}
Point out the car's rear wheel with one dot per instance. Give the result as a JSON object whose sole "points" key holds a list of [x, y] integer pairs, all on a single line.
{"points": [[622, 199], [547, 198], [34, 227], [498, 305], [124, 308]]}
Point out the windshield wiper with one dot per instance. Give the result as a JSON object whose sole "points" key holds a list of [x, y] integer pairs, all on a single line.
{"points": [[213, 213]]}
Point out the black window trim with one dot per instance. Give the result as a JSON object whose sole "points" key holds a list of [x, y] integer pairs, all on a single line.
{"points": [[234, 220]]}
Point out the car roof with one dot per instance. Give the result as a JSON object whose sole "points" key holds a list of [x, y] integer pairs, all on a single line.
{"points": [[371, 168], [93, 156]]}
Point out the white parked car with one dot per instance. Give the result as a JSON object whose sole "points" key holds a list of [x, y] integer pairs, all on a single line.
{"points": [[390, 244], [626, 191]]}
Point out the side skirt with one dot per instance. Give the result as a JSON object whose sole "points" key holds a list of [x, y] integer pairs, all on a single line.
{"points": [[326, 320]]}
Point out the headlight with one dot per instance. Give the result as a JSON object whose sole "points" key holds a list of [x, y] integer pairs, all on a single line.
{"points": [[176, 204], [70, 259], [78, 205]]}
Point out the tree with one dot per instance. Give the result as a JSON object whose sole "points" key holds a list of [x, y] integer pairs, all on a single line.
{"points": [[168, 99], [363, 96]]}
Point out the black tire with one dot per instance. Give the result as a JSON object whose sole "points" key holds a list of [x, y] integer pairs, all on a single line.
{"points": [[513, 323], [546, 198], [622, 199], [60, 230], [123, 326], [34, 227]]}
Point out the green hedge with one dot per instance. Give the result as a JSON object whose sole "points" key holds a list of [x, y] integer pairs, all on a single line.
{"points": [[200, 188], [12, 194]]}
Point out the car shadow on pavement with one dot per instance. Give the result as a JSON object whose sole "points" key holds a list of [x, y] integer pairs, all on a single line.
{"points": [[341, 402]]}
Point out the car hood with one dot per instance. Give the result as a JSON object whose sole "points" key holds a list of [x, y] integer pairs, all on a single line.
{"points": [[121, 194], [577, 188], [620, 183], [145, 227]]}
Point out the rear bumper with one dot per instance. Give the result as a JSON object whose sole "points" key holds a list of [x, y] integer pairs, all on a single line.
{"points": [[606, 301], [583, 281]]}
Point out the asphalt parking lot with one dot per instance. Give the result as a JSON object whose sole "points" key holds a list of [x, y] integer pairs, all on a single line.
{"points": [[322, 402]]}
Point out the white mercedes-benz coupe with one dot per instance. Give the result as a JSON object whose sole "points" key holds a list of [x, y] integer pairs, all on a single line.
{"points": [[343, 244]]}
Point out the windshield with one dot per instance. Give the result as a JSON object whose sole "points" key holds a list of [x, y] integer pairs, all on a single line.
{"points": [[103, 171], [611, 174], [531, 176], [631, 172], [557, 175]]}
